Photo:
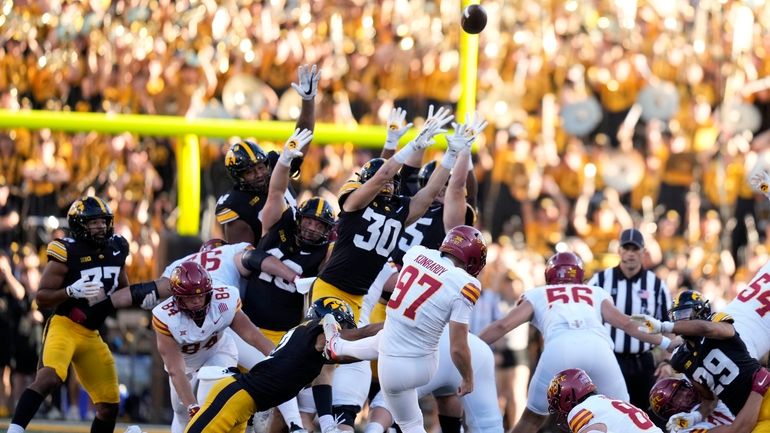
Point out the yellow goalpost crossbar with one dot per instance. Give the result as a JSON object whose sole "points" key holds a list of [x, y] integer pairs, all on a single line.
{"points": [[188, 130]]}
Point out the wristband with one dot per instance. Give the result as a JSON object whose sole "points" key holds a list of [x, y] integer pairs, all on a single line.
{"points": [[448, 161], [403, 155], [667, 327], [252, 259], [285, 159], [140, 290], [665, 342], [391, 144]]}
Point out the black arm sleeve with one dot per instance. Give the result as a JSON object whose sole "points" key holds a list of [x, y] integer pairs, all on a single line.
{"points": [[140, 290], [252, 259]]}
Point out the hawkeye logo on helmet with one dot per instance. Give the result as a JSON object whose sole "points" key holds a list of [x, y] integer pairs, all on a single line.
{"points": [[77, 207], [333, 303]]}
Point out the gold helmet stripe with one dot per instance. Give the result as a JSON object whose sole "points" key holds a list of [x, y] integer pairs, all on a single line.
{"points": [[101, 204], [319, 208], [247, 148]]}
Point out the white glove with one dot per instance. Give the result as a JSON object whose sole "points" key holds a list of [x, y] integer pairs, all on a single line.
{"points": [[150, 301], [760, 181], [84, 289], [651, 325], [476, 125], [397, 127], [433, 126], [456, 143], [293, 147], [683, 421], [308, 82]]}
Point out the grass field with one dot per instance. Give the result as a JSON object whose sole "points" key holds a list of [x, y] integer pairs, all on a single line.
{"points": [[76, 427]]}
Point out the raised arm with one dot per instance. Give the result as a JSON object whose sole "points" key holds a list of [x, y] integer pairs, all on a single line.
{"points": [[279, 179], [397, 127], [455, 204], [521, 313], [458, 142], [307, 88], [363, 195]]}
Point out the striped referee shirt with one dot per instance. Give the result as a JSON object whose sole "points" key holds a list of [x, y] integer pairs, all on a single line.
{"points": [[643, 293]]}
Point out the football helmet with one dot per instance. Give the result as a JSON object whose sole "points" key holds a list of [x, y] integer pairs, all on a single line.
{"points": [[370, 168], [467, 245], [189, 281], [317, 209], [423, 176], [211, 244], [87, 209], [671, 396], [242, 157], [334, 306], [689, 305], [567, 389], [564, 268]]}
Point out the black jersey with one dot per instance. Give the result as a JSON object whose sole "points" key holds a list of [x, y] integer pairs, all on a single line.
{"points": [[427, 231], [724, 366], [365, 240], [85, 260], [291, 366], [242, 205], [266, 301]]}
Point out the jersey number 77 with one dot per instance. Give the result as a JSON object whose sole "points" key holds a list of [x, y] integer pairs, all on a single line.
{"points": [[406, 280]]}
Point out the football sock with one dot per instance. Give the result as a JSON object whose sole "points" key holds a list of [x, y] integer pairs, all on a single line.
{"points": [[28, 404], [322, 395], [449, 424], [101, 426]]}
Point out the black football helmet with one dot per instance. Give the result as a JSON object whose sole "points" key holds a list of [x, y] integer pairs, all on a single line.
{"points": [[423, 176], [334, 306], [318, 209], [242, 157], [87, 209], [689, 305], [370, 168]]}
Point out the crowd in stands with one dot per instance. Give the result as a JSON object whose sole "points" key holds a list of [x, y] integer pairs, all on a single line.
{"points": [[540, 186]]}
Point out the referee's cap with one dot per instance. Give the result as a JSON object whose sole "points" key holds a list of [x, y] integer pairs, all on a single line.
{"points": [[632, 236]]}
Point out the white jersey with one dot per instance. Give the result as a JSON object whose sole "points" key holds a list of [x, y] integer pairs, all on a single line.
{"points": [[219, 262], [567, 307], [720, 416], [198, 343], [750, 311], [430, 292], [617, 415]]}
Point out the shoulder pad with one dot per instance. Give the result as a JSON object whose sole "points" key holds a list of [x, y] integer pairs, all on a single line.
{"points": [[226, 215], [722, 317], [57, 250], [347, 188]]}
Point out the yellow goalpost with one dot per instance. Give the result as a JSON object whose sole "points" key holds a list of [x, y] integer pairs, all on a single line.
{"points": [[188, 130]]}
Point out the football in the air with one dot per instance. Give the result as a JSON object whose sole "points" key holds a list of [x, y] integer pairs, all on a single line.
{"points": [[474, 19]]}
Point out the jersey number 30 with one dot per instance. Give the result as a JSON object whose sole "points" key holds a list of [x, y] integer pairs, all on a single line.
{"points": [[405, 282], [383, 233]]}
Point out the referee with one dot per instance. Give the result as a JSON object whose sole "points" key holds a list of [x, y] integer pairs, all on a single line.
{"points": [[635, 290]]}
